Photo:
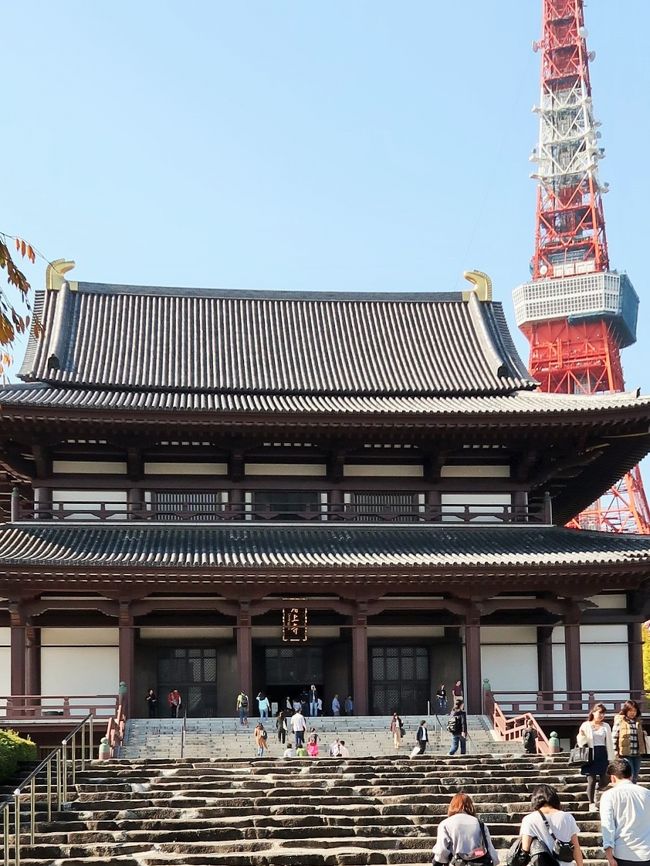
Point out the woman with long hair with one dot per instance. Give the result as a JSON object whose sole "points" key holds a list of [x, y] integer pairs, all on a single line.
{"points": [[281, 727], [461, 833], [396, 728], [549, 824], [596, 734], [628, 736]]}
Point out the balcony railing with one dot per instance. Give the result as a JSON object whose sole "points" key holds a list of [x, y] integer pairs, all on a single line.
{"points": [[289, 512], [559, 703]]}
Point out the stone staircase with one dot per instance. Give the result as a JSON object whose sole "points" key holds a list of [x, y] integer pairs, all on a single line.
{"points": [[301, 812], [363, 735]]}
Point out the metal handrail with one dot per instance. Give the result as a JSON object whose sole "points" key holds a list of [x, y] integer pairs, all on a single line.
{"points": [[58, 761]]}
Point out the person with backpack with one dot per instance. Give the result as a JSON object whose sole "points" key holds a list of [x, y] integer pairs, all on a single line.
{"points": [[549, 834], [261, 738], [529, 738], [242, 707], [457, 727], [462, 837]]}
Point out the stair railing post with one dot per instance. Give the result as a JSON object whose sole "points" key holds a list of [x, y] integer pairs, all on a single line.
{"points": [[91, 739], [17, 827], [48, 776], [64, 771], [32, 810]]}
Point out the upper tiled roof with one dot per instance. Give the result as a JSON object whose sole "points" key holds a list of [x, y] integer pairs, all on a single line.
{"points": [[228, 342], [258, 546]]}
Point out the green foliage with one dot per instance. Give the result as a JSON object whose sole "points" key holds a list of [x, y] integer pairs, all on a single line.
{"points": [[13, 749]]}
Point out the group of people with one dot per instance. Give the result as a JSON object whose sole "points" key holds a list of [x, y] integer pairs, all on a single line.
{"points": [[174, 702], [456, 726], [297, 725], [309, 703], [548, 834]]}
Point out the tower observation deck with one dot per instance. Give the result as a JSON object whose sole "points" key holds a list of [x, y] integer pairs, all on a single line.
{"points": [[576, 312]]}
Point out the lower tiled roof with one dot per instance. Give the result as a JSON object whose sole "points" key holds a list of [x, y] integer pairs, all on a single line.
{"points": [[518, 403], [260, 546]]}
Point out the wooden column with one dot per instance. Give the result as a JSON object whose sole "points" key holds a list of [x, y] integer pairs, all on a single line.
{"points": [[572, 654], [245, 648], [33, 669], [126, 649], [474, 680], [360, 659], [636, 659], [18, 655], [545, 657]]}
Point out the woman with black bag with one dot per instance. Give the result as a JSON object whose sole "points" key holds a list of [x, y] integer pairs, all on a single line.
{"points": [[397, 730], [462, 838], [597, 735], [549, 834]]}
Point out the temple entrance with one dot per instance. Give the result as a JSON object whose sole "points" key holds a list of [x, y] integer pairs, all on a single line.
{"points": [[193, 671], [399, 679], [290, 670]]}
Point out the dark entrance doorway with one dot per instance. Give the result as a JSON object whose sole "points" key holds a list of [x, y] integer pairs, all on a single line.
{"points": [[291, 670], [193, 671], [399, 679]]}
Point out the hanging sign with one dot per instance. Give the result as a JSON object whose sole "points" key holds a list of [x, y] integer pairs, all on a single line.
{"points": [[294, 624]]}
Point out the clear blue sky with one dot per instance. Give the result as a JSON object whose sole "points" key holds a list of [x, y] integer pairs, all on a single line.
{"points": [[301, 145]]}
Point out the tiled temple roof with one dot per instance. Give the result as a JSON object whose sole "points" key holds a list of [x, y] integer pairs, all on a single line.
{"points": [[274, 343], [233, 546]]}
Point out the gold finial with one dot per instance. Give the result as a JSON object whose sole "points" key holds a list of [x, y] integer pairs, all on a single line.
{"points": [[55, 275], [483, 285]]}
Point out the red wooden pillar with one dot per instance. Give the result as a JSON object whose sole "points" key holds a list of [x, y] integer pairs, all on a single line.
{"points": [[126, 651], [33, 670], [360, 659], [245, 648], [474, 683], [635, 645], [18, 655], [545, 657]]}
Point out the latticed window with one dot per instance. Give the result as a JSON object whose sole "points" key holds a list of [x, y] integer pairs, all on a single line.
{"points": [[188, 504], [393, 505], [399, 678]]}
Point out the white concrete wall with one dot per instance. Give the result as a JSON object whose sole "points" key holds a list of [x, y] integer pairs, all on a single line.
{"points": [[481, 503], [383, 470], [79, 661], [88, 467], [90, 500], [477, 471], [559, 658], [313, 470], [183, 469], [509, 657]]}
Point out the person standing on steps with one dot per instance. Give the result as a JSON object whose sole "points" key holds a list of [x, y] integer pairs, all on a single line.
{"points": [[529, 738], [550, 825], [281, 727], [263, 705], [174, 700], [596, 734], [336, 706], [457, 692], [298, 727], [152, 703], [625, 818], [313, 700], [628, 736], [349, 706], [457, 727], [422, 736], [441, 698], [397, 730], [242, 707], [461, 833], [261, 738]]}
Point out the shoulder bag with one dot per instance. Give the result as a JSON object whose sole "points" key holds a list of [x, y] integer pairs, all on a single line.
{"points": [[580, 755], [477, 857], [516, 856], [563, 851]]}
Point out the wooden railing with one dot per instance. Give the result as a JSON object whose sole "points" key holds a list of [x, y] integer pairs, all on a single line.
{"points": [[283, 511], [560, 703], [115, 729], [16, 707], [513, 729]]}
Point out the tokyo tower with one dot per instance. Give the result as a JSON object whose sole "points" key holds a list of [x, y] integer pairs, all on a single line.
{"points": [[576, 312]]}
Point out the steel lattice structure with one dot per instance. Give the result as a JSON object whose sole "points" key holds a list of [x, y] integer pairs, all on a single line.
{"points": [[576, 313]]}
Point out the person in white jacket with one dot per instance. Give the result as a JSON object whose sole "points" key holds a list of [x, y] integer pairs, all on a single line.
{"points": [[596, 734]]}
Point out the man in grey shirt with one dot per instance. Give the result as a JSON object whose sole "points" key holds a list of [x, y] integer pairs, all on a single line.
{"points": [[625, 818]]}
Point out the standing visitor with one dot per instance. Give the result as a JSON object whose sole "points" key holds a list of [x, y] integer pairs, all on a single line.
{"points": [[349, 706], [625, 818], [152, 703], [462, 833], [313, 700], [457, 692], [312, 745], [628, 736], [281, 727], [242, 707], [336, 706], [174, 700], [441, 698], [422, 736], [596, 734], [457, 727], [319, 707], [263, 705], [397, 730], [261, 738], [529, 738], [298, 727], [549, 824]]}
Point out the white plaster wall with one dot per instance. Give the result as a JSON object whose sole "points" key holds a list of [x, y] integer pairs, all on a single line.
{"points": [[383, 470], [83, 467], [314, 470], [182, 469], [509, 658], [475, 472], [79, 637], [609, 601], [605, 659], [406, 632], [71, 671], [481, 503], [559, 658], [90, 500], [183, 634]]}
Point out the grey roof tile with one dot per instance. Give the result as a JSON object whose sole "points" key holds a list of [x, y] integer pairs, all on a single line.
{"points": [[218, 547], [274, 343]]}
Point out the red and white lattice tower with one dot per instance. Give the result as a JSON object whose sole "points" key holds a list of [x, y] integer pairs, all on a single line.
{"points": [[576, 313]]}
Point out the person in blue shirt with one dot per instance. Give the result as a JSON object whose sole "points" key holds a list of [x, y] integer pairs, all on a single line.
{"points": [[336, 706], [349, 706]]}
